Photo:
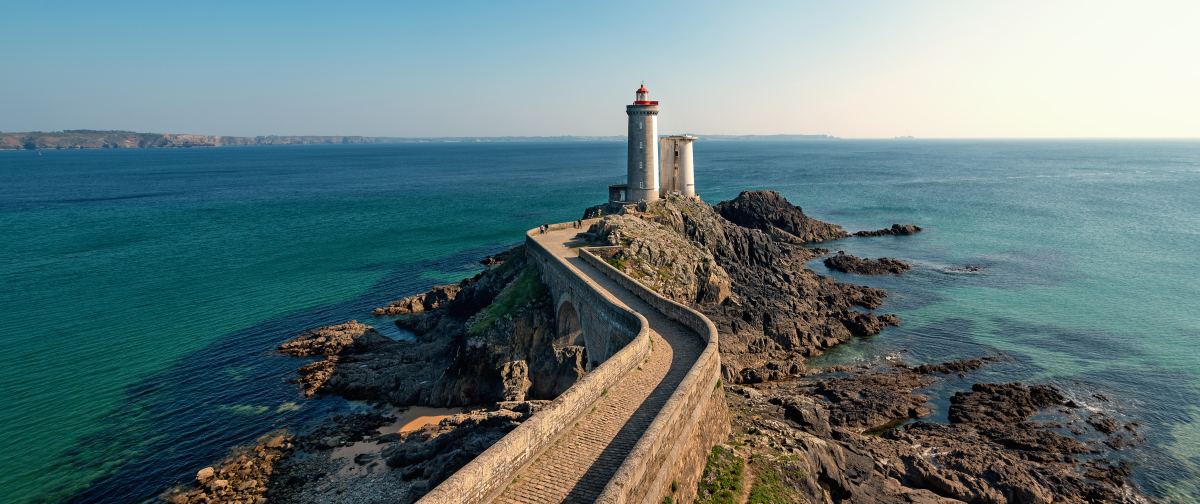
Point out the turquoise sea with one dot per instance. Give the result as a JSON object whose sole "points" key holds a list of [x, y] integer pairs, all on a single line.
{"points": [[142, 291]]}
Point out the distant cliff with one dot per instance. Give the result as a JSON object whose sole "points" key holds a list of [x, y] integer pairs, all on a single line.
{"points": [[93, 139]]}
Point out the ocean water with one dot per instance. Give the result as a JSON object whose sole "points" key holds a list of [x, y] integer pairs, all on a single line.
{"points": [[142, 291]]}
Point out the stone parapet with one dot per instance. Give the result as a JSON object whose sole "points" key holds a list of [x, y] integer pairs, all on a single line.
{"points": [[675, 447], [489, 473]]}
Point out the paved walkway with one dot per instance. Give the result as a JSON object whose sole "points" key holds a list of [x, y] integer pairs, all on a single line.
{"points": [[582, 462]]}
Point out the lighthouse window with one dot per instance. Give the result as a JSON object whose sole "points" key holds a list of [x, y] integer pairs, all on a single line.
{"points": [[641, 185], [639, 125], [639, 145]]}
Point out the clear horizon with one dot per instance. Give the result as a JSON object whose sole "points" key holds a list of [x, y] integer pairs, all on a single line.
{"points": [[929, 69]]}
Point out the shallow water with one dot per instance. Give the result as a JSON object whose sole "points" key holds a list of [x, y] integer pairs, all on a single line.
{"points": [[144, 290]]}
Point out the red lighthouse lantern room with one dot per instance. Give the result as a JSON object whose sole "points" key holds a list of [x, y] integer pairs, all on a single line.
{"points": [[643, 97]]}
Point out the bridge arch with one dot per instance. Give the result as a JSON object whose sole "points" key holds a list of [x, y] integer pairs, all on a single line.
{"points": [[570, 330]]}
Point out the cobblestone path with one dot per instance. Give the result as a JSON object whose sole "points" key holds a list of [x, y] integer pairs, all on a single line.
{"points": [[576, 468]]}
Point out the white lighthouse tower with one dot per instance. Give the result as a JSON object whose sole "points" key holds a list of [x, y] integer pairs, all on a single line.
{"points": [[643, 148], [656, 167]]}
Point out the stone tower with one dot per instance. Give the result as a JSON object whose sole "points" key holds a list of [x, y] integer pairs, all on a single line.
{"points": [[643, 148], [678, 174]]}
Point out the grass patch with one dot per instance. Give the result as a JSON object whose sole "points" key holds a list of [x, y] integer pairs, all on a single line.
{"points": [[721, 482], [769, 488], [618, 263], [520, 292]]}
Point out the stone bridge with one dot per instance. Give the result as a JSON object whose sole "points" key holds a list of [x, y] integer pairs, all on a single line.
{"points": [[643, 418]]}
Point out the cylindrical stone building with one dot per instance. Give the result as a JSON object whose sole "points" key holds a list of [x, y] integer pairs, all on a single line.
{"points": [[677, 174], [643, 148], [685, 176]]}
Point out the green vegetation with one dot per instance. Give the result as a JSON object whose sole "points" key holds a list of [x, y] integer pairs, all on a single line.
{"points": [[520, 292], [769, 488], [618, 263], [721, 482]]}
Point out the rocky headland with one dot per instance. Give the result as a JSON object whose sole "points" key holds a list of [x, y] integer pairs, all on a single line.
{"points": [[802, 434], [750, 280]]}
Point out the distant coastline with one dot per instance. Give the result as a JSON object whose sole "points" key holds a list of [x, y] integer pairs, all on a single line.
{"points": [[97, 139]]}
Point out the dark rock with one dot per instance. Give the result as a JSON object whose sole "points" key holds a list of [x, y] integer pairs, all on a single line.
{"points": [[770, 213], [515, 354], [1103, 423], [438, 296], [895, 230], [872, 400], [500, 258], [993, 404], [852, 264], [331, 340], [958, 366], [778, 312], [993, 461]]}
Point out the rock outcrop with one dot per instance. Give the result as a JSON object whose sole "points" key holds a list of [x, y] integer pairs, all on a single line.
{"points": [[805, 441], [488, 338], [770, 213], [438, 296], [331, 340], [777, 312], [395, 467], [895, 230], [663, 259], [240, 478], [850, 264]]}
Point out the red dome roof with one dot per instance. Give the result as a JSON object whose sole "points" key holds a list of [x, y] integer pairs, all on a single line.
{"points": [[642, 89]]}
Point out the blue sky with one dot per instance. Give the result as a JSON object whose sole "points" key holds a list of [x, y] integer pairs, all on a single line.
{"points": [[851, 69]]}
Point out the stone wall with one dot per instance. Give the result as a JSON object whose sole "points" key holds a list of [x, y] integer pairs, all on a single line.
{"points": [[675, 447], [489, 473]]}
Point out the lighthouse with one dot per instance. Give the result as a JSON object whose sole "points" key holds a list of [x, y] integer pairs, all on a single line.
{"points": [[643, 148]]}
